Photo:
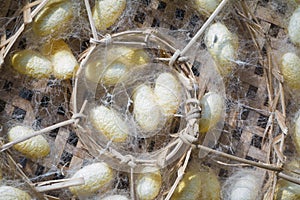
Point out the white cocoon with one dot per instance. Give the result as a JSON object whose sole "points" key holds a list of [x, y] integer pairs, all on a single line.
{"points": [[294, 27]]}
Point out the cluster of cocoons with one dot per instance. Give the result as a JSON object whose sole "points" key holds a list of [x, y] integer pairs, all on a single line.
{"points": [[96, 176], [12, 193], [148, 183], [33, 148], [55, 58], [117, 62], [198, 184], [53, 18], [152, 107], [294, 27], [222, 46], [212, 109], [106, 12]]}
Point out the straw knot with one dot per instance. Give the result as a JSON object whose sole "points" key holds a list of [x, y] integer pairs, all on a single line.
{"points": [[108, 39], [187, 138], [174, 57], [78, 116], [128, 159]]}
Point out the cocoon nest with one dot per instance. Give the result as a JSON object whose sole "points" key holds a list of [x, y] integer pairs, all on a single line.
{"points": [[148, 183], [96, 176], [32, 63], [242, 185], [290, 69], [106, 12], [34, 148], [12, 193], [109, 123], [53, 18], [222, 45]]}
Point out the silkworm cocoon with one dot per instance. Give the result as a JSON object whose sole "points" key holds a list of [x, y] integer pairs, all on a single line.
{"points": [[212, 105], [290, 69], [294, 27], [32, 63], [148, 183], [115, 197], [146, 110], [110, 123], [106, 12], [168, 92], [296, 135], [207, 5], [96, 176], [63, 61], [198, 185], [12, 193], [35, 147], [222, 45], [118, 61], [53, 18], [244, 184]]}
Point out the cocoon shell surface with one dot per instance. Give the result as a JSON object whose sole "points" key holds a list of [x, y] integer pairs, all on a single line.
{"points": [[286, 190], [222, 45], [32, 63], [53, 18], [168, 92], [147, 112], [96, 176], [116, 63], [63, 61], [12, 193], [115, 197], [207, 5], [148, 183], [198, 185], [109, 122], [290, 69], [212, 105], [106, 12], [294, 27], [34, 148]]}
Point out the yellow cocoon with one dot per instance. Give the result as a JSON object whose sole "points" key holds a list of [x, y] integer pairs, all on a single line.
{"points": [[148, 183], [34, 148], [212, 105], [286, 190], [294, 27], [168, 93], [115, 197], [296, 135], [31, 63], [146, 110], [12, 193], [117, 62], [109, 123], [290, 69], [96, 176], [63, 61], [222, 45], [207, 5], [106, 12], [53, 18], [198, 185]]}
